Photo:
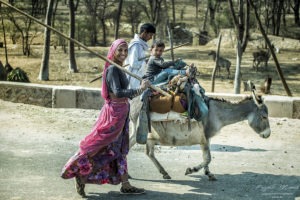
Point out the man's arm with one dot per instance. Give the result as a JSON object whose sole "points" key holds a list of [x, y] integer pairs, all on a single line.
{"points": [[136, 52]]}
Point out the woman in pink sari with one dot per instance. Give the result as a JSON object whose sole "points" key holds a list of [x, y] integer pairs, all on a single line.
{"points": [[101, 157]]}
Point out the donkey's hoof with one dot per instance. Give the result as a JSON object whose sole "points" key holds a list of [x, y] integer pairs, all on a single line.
{"points": [[188, 171], [166, 176], [212, 178]]}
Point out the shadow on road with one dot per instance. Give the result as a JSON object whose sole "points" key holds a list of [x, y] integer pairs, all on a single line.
{"points": [[247, 185], [220, 148]]}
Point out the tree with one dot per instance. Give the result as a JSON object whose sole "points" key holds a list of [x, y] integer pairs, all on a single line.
{"points": [[153, 12], [212, 7], [296, 8], [280, 11], [103, 14], [275, 9], [91, 6], [118, 19], [155, 15], [99, 10], [4, 36], [23, 24], [173, 11], [44, 71], [271, 49], [197, 8], [242, 31], [133, 15], [54, 13], [72, 60]]}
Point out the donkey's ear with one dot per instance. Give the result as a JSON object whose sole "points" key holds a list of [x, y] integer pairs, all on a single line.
{"points": [[257, 98]]}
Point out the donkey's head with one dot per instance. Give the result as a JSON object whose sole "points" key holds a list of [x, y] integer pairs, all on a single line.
{"points": [[258, 119]]}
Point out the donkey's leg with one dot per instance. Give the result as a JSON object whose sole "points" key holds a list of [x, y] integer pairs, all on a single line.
{"points": [[150, 153], [206, 160], [132, 138]]}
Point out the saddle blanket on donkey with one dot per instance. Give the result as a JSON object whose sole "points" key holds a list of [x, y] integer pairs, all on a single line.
{"points": [[169, 116], [187, 102]]}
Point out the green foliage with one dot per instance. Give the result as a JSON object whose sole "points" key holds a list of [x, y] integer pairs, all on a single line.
{"points": [[224, 18], [18, 75]]}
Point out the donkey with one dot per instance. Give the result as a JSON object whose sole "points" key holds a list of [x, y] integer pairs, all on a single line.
{"points": [[220, 114], [222, 62]]}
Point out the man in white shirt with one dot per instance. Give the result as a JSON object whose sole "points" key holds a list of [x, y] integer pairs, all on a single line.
{"points": [[137, 49]]}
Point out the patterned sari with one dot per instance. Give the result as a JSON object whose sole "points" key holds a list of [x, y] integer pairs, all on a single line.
{"points": [[101, 157]]}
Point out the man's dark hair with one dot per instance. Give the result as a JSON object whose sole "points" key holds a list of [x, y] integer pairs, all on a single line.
{"points": [[158, 43], [149, 28]]}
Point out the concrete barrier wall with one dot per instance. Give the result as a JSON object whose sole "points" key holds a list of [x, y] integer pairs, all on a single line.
{"points": [[35, 94], [51, 96], [90, 98]]}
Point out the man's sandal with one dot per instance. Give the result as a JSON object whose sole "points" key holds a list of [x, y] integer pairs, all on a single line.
{"points": [[79, 187], [132, 190]]}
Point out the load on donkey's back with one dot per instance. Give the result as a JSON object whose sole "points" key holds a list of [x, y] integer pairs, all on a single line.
{"points": [[187, 100]]}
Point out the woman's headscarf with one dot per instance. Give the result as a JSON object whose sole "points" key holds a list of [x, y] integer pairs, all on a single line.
{"points": [[110, 56]]}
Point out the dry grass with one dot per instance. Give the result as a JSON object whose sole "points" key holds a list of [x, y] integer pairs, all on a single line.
{"points": [[90, 66]]}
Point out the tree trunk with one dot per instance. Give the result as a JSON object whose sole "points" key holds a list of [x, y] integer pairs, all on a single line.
{"points": [[173, 12], [54, 13], [274, 9], [271, 49], [241, 23], [27, 45], [94, 32], [296, 12], [44, 71], [72, 60], [278, 18], [170, 33], [118, 19], [205, 20], [4, 38], [246, 28], [155, 9], [237, 77], [212, 11], [104, 31], [216, 65], [197, 9]]}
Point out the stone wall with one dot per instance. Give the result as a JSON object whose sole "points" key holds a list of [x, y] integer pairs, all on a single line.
{"points": [[51, 96], [35, 94], [90, 98]]}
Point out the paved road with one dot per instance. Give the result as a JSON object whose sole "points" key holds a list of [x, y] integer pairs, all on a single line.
{"points": [[36, 142]]}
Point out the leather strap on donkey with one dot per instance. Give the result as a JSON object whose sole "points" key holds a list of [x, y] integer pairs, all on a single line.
{"points": [[197, 107], [188, 95]]}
